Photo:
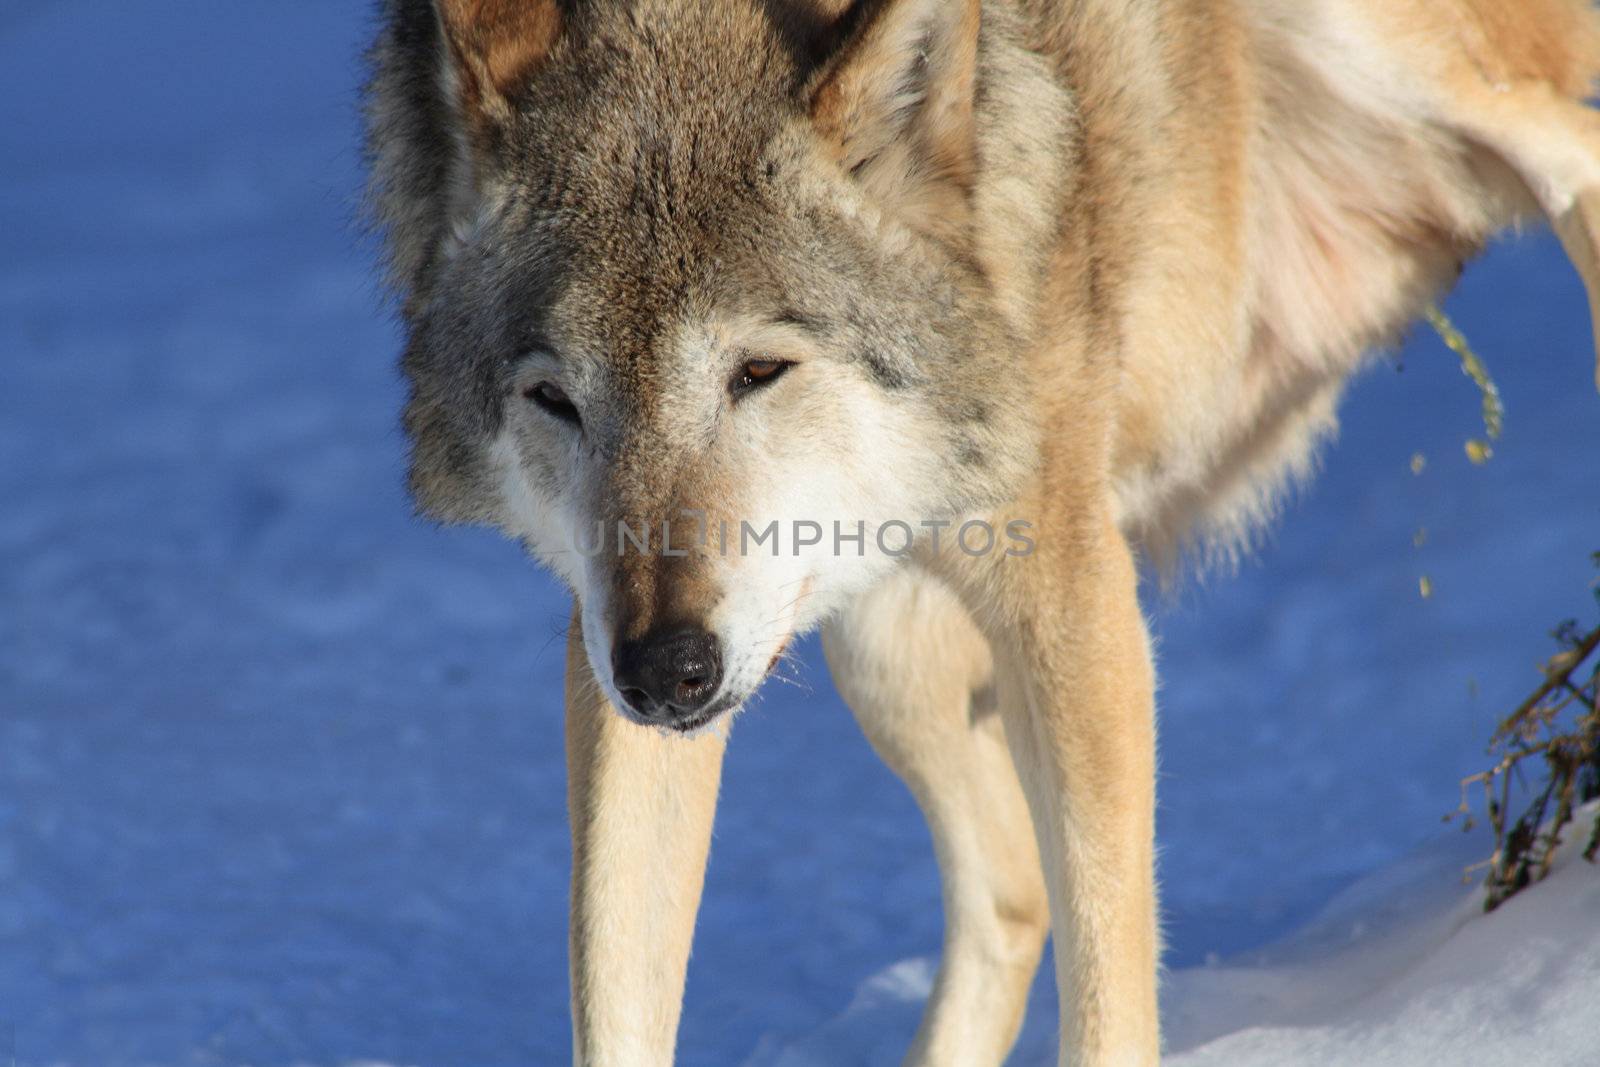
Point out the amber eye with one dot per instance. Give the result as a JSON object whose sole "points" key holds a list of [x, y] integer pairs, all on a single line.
{"points": [[550, 397], [756, 373]]}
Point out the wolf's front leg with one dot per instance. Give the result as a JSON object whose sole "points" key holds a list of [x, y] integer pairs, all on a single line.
{"points": [[915, 670], [641, 806], [1076, 693]]}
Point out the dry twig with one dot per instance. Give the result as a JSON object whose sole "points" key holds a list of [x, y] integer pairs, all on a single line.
{"points": [[1560, 724]]}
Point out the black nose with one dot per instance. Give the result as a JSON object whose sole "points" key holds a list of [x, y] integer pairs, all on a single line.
{"points": [[668, 675]]}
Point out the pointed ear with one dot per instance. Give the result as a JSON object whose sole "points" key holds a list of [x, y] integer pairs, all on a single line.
{"points": [[896, 101], [494, 48]]}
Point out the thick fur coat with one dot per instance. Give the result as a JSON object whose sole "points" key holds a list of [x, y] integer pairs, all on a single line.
{"points": [[1100, 268]]}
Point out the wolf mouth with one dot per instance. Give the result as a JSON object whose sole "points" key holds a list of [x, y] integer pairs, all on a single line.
{"points": [[705, 718]]}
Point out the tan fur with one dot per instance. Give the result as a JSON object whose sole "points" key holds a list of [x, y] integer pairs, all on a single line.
{"points": [[496, 45], [1102, 264], [640, 805], [928, 173], [920, 678]]}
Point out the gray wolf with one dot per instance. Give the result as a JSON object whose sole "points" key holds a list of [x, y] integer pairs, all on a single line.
{"points": [[1101, 266]]}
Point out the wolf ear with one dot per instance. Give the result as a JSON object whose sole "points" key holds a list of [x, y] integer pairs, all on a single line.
{"points": [[494, 47], [895, 103]]}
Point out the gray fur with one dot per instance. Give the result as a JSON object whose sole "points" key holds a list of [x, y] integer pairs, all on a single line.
{"points": [[658, 167]]}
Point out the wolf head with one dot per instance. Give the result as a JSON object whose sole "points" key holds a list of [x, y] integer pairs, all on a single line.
{"points": [[695, 307]]}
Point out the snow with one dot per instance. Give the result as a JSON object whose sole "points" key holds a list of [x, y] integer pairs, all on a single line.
{"points": [[1396, 972], [280, 767], [1402, 968]]}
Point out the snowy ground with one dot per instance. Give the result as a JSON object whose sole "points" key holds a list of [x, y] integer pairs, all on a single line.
{"points": [[1402, 968], [280, 776]]}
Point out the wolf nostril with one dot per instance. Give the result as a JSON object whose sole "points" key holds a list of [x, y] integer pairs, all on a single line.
{"points": [[636, 698], [668, 674]]}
